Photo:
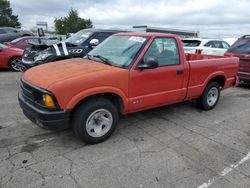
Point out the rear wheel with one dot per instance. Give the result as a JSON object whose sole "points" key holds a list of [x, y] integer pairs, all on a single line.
{"points": [[95, 120], [210, 96], [14, 63]]}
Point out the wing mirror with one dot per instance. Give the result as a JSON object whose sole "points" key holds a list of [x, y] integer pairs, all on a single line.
{"points": [[93, 43], [149, 63]]}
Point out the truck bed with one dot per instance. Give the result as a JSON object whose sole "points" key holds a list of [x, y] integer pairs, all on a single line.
{"points": [[205, 67]]}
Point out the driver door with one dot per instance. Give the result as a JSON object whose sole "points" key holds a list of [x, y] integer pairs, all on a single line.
{"points": [[160, 86]]}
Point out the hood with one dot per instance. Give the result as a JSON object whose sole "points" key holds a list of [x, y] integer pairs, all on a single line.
{"points": [[44, 76], [14, 50]]}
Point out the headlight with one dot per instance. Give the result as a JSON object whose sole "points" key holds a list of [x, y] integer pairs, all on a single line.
{"points": [[46, 100], [41, 57]]}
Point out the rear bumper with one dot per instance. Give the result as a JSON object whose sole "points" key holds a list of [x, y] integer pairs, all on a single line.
{"points": [[42, 117], [245, 76]]}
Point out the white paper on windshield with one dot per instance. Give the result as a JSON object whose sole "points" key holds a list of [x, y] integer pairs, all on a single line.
{"points": [[137, 39]]}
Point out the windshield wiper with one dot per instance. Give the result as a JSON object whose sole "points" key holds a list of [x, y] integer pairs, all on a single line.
{"points": [[104, 59]]}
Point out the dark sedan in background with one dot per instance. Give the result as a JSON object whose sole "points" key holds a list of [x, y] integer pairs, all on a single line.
{"points": [[8, 34]]}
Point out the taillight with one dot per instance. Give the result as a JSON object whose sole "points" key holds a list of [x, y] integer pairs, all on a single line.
{"points": [[198, 51], [228, 54]]}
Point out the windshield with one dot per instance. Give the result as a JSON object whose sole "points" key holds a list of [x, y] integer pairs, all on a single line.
{"points": [[78, 37], [38, 41], [2, 46], [241, 46], [119, 50], [191, 43]]}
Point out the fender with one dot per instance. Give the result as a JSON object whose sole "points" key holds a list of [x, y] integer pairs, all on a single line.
{"points": [[210, 77], [98, 90]]}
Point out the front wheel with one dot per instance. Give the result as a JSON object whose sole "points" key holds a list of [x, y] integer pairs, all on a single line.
{"points": [[95, 120], [210, 96], [14, 63]]}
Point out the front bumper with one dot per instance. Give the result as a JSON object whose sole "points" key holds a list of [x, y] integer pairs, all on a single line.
{"points": [[44, 118]]}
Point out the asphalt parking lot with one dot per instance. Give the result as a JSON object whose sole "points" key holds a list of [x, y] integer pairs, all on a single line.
{"points": [[175, 146]]}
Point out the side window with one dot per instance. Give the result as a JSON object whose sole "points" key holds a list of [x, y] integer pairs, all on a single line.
{"points": [[210, 44], [34, 41], [214, 44], [2, 31], [218, 44], [225, 45], [10, 30], [102, 36], [165, 50]]}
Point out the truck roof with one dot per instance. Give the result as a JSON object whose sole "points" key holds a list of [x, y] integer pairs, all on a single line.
{"points": [[144, 34], [103, 30]]}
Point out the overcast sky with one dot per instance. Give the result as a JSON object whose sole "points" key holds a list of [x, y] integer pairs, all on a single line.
{"points": [[213, 18]]}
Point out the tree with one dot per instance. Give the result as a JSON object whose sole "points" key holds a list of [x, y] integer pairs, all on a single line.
{"points": [[7, 19], [71, 23]]}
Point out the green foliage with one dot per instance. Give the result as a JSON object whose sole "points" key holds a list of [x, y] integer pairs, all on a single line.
{"points": [[7, 19], [71, 23]]}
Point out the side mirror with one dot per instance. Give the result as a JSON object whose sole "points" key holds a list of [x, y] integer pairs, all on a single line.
{"points": [[93, 42], [149, 63]]}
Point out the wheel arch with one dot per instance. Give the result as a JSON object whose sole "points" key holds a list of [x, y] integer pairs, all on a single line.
{"points": [[117, 97], [218, 77], [114, 98]]}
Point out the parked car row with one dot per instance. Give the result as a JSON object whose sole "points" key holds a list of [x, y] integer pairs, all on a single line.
{"points": [[40, 50], [78, 45]]}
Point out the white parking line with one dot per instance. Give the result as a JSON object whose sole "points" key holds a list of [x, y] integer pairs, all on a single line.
{"points": [[224, 172]]}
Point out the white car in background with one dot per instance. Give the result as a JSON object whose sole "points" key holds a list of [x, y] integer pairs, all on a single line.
{"points": [[205, 46]]}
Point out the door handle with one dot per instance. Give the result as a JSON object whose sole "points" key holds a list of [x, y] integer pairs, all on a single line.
{"points": [[179, 72]]}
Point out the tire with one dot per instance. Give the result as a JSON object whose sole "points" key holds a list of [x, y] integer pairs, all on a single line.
{"points": [[14, 63], [210, 96], [89, 118]]}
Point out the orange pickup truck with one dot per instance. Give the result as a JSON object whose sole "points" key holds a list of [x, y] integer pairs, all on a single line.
{"points": [[128, 72]]}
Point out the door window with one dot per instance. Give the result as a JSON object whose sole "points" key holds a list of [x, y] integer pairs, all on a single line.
{"points": [[10, 30], [2, 31], [214, 44], [225, 45], [102, 36], [165, 51]]}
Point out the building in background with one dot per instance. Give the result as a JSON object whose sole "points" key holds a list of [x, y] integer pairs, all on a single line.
{"points": [[181, 33]]}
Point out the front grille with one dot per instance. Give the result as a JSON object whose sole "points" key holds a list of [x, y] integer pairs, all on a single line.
{"points": [[29, 92]]}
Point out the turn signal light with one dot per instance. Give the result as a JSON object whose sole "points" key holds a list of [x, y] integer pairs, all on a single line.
{"points": [[48, 101]]}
